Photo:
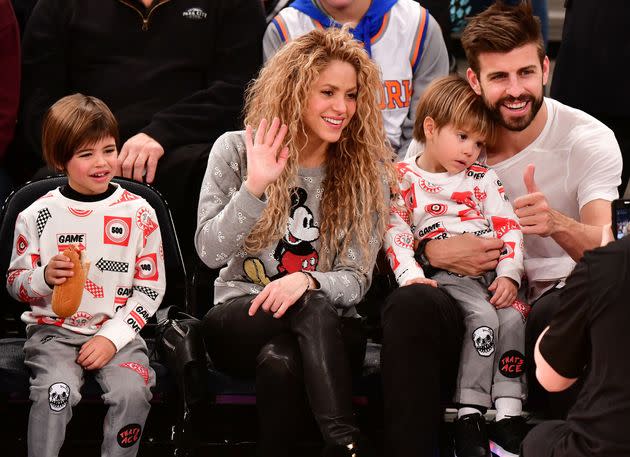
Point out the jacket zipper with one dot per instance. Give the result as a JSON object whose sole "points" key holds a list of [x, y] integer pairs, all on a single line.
{"points": [[145, 19]]}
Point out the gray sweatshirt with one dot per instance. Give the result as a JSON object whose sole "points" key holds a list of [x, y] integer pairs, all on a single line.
{"points": [[228, 212]]}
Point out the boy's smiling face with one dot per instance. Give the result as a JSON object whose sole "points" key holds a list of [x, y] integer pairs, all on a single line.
{"points": [[93, 166]]}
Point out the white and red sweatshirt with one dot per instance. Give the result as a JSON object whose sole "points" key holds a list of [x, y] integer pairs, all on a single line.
{"points": [[440, 205], [121, 237]]}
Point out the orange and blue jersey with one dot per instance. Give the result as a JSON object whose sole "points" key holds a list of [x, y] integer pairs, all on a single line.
{"points": [[403, 39]]}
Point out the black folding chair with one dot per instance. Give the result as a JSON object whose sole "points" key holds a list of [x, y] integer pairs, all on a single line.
{"points": [[14, 376]]}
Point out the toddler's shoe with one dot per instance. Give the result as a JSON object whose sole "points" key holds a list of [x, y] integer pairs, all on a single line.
{"points": [[471, 436], [506, 436]]}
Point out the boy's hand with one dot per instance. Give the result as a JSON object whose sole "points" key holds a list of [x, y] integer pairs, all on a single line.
{"points": [[504, 292], [59, 268], [427, 281], [96, 352]]}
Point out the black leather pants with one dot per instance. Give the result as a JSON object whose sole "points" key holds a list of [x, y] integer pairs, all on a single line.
{"points": [[302, 352]]}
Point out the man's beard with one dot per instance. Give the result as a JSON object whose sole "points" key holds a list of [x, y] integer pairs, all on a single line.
{"points": [[515, 124]]}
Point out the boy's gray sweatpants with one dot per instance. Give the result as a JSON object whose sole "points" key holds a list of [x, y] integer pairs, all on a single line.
{"points": [[56, 379], [492, 363]]}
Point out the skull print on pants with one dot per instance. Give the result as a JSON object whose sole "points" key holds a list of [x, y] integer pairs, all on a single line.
{"points": [[58, 396]]}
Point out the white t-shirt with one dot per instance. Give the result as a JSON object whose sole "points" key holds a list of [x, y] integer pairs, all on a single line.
{"points": [[577, 160]]}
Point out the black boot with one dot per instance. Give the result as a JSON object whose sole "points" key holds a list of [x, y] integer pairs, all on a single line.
{"points": [[359, 448]]}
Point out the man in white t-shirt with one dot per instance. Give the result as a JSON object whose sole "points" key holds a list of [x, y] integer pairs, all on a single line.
{"points": [[560, 166]]}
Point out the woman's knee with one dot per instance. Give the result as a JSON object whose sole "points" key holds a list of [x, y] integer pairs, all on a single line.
{"points": [[279, 359], [315, 306]]}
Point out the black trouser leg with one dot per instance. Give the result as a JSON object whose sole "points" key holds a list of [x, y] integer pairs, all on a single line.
{"points": [[553, 405], [547, 440], [279, 374], [281, 399], [422, 340], [235, 340]]}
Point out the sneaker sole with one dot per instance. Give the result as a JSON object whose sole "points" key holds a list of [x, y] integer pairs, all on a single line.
{"points": [[498, 451], [455, 452]]}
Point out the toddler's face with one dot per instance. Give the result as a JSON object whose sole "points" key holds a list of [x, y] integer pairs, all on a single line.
{"points": [[454, 149], [93, 166]]}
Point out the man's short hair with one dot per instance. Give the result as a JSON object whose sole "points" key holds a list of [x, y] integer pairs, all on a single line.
{"points": [[501, 28], [72, 122], [451, 100]]}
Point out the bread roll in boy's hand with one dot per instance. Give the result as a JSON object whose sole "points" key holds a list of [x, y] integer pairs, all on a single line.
{"points": [[67, 296]]}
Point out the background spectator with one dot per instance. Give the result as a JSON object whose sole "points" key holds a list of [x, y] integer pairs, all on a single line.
{"points": [[23, 10], [9, 86], [539, 8], [588, 73], [173, 73], [588, 338], [402, 38], [273, 7]]}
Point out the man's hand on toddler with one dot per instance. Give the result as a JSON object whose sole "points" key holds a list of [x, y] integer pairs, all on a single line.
{"points": [[430, 282], [503, 292], [96, 353], [59, 268]]}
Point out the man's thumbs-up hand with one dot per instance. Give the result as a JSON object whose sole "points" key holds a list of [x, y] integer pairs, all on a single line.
{"points": [[534, 213], [528, 178]]}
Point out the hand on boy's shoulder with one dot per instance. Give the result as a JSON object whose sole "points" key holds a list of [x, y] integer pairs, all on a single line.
{"points": [[96, 353]]}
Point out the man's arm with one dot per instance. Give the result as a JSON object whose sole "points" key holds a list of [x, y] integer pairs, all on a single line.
{"points": [[563, 348], [465, 254], [549, 378], [538, 218], [577, 237]]}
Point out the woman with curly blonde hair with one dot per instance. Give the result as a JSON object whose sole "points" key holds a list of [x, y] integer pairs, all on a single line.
{"points": [[295, 209]]}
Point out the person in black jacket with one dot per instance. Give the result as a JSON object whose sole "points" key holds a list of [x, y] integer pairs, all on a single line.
{"points": [[172, 71], [592, 54], [588, 339], [9, 88]]}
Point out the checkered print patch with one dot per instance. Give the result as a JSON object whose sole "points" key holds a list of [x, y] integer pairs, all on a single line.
{"points": [[111, 265], [94, 289], [125, 197], [152, 294], [42, 217]]}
